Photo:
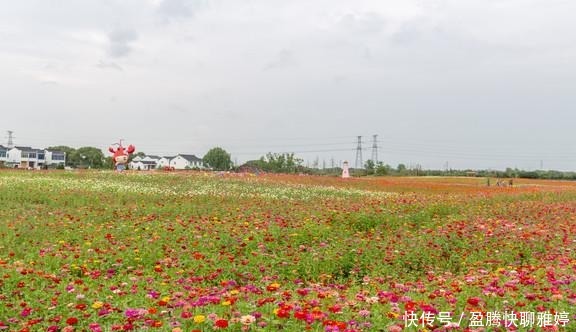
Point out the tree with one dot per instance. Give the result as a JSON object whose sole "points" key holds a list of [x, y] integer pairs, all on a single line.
{"points": [[280, 162], [89, 156], [382, 169], [369, 166], [218, 159]]}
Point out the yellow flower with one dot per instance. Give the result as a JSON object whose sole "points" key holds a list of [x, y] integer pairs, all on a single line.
{"points": [[199, 319], [226, 303], [97, 304]]}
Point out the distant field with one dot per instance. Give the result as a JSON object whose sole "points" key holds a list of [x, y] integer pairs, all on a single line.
{"points": [[100, 251]]}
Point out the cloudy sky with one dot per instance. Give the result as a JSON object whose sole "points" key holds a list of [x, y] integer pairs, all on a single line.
{"points": [[468, 83]]}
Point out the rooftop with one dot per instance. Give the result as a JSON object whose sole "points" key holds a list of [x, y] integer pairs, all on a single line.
{"points": [[190, 157]]}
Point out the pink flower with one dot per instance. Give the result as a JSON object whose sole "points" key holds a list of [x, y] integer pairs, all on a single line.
{"points": [[133, 313], [95, 327], [394, 328], [26, 312]]}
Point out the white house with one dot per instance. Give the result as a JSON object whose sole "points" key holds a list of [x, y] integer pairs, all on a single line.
{"points": [[186, 161], [3, 155], [55, 158], [151, 158], [27, 157], [145, 163], [142, 165], [164, 162]]}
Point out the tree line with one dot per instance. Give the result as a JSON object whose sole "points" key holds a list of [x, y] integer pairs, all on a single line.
{"points": [[220, 160]]}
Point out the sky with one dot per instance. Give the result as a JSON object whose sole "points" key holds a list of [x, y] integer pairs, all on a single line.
{"points": [[481, 84]]}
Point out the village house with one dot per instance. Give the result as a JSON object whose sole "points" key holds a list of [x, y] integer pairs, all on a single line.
{"points": [[145, 163], [28, 157], [164, 162], [186, 161], [3, 155]]}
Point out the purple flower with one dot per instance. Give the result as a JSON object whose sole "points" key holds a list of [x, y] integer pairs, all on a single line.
{"points": [[135, 313]]}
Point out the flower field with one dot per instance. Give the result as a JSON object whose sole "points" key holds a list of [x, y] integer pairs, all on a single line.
{"points": [[100, 251]]}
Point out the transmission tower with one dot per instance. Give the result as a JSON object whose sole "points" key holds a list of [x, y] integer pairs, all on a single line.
{"points": [[10, 139], [374, 149], [359, 163]]}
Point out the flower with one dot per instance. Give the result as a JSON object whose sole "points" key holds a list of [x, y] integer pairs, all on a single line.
{"points": [[198, 319], [95, 327], [247, 320], [364, 313], [133, 313], [221, 324], [72, 321], [273, 286], [97, 304]]}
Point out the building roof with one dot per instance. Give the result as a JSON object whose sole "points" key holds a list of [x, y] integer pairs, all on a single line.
{"points": [[24, 148], [2, 147], [55, 151], [153, 157], [147, 162], [190, 157]]}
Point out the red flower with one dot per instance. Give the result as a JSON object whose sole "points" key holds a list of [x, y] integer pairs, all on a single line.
{"points": [[221, 323], [300, 315], [335, 308], [283, 313], [72, 321], [474, 301]]}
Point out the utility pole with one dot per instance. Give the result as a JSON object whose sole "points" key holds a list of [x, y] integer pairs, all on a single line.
{"points": [[10, 139], [374, 150], [359, 163]]}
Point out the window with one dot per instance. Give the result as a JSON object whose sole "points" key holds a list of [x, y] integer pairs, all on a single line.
{"points": [[57, 157], [41, 156], [2, 154]]}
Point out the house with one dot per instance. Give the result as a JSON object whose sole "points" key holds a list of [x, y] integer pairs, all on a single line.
{"points": [[144, 163], [25, 157], [3, 155], [151, 158], [186, 161], [164, 162], [28, 157], [55, 158]]}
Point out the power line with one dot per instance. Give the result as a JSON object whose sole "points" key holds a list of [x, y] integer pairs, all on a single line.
{"points": [[375, 149], [359, 163], [10, 143]]}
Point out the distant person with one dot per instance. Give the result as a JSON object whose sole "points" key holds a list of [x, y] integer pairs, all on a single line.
{"points": [[488, 182], [510, 182]]}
